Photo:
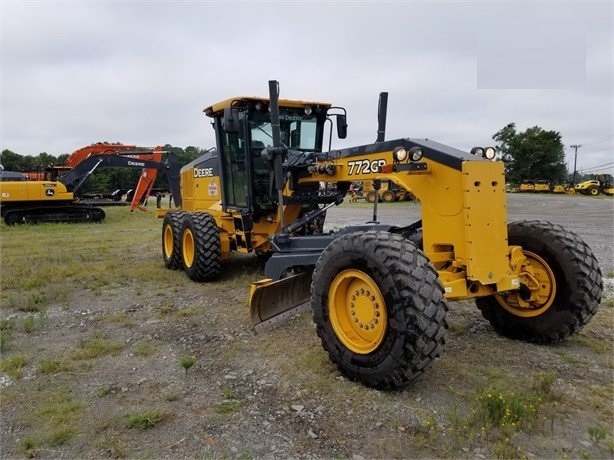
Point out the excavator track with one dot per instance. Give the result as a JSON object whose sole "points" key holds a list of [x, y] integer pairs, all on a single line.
{"points": [[67, 213]]}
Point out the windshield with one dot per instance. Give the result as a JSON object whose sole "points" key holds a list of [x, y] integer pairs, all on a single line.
{"points": [[297, 131]]}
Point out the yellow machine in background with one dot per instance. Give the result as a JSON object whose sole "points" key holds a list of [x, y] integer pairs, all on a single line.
{"points": [[534, 186], [378, 292], [595, 187], [388, 192]]}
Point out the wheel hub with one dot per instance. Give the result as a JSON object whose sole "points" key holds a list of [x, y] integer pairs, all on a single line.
{"points": [[537, 288], [357, 311]]}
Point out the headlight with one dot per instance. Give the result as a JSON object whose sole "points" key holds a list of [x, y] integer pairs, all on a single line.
{"points": [[399, 154], [415, 153], [308, 110], [477, 151], [489, 153]]}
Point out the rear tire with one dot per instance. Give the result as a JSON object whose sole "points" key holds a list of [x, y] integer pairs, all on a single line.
{"points": [[594, 191], [370, 198], [379, 308], [171, 239], [200, 247], [569, 282]]}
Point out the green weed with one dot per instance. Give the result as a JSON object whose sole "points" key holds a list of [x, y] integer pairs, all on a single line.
{"points": [[30, 445], [228, 392], [6, 332], [60, 409], [53, 366], [508, 411], [144, 420], [13, 366], [187, 362], [228, 407], [166, 308], [60, 436], [97, 347], [121, 319], [144, 348], [596, 433], [28, 324]]}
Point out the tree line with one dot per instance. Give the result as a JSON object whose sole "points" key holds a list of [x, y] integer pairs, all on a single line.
{"points": [[531, 154]]}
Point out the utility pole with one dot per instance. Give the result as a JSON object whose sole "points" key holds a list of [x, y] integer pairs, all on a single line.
{"points": [[575, 162]]}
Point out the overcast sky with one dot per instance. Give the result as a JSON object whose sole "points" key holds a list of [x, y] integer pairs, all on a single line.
{"points": [[141, 72]]}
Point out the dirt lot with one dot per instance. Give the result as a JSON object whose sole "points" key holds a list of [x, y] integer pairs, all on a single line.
{"points": [[107, 354]]}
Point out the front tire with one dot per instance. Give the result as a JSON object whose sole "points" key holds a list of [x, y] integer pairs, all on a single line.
{"points": [[201, 247], [560, 291], [379, 308]]}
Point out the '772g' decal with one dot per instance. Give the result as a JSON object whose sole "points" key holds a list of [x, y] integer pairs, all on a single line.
{"points": [[365, 166]]}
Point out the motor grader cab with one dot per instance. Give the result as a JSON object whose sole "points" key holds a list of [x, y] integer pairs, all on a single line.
{"points": [[378, 292], [230, 198]]}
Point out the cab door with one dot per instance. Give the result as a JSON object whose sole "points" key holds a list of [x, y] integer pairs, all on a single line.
{"points": [[234, 168]]}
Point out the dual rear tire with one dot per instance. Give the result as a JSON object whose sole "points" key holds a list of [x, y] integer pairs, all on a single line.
{"points": [[191, 241]]}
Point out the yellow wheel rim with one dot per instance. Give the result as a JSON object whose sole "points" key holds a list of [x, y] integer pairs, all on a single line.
{"points": [[537, 292], [168, 241], [357, 311], [188, 247]]}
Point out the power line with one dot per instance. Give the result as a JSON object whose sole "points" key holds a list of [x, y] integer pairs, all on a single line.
{"points": [[599, 140]]}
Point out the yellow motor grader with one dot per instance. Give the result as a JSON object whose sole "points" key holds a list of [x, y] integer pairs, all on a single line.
{"points": [[379, 292]]}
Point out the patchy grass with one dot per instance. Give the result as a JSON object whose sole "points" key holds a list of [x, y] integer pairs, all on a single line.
{"points": [[92, 259], [6, 332], [13, 365], [501, 408], [144, 348], [53, 366], [96, 347], [144, 420], [55, 418]]}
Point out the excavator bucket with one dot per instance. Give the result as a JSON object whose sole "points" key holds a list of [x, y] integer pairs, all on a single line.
{"points": [[274, 302]]}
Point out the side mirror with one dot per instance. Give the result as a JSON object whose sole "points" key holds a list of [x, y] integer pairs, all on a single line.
{"points": [[342, 126], [231, 120]]}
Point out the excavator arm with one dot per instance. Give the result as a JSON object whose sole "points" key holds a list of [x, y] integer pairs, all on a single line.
{"points": [[76, 177]]}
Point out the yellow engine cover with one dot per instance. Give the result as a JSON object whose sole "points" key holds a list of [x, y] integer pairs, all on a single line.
{"points": [[31, 191]]}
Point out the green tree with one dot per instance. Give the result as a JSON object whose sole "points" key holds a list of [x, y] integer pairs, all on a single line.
{"points": [[11, 161], [531, 154]]}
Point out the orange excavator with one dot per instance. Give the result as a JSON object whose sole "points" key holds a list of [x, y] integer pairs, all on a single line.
{"points": [[55, 200], [148, 176], [146, 181]]}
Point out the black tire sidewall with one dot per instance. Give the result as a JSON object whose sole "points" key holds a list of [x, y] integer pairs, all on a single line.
{"points": [[570, 309], [207, 247], [174, 219], [404, 344]]}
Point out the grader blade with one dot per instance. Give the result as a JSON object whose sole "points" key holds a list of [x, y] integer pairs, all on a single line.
{"points": [[273, 302]]}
